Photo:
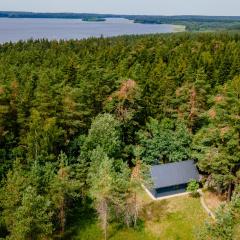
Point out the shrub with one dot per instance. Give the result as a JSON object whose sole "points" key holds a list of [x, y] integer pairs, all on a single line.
{"points": [[193, 187]]}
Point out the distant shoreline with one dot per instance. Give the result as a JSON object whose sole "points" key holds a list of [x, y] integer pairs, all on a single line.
{"points": [[190, 23], [179, 28], [19, 14]]}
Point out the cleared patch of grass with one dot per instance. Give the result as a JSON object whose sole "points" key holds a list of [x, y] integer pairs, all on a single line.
{"points": [[173, 219], [115, 232]]}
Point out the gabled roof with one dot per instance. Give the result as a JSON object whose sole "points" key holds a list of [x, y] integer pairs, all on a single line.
{"points": [[171, 174]]}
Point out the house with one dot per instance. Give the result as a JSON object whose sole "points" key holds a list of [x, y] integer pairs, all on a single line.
{"points": [[172, 178]]}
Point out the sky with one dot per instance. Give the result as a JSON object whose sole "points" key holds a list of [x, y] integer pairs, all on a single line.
{"points": [[150, 7]]}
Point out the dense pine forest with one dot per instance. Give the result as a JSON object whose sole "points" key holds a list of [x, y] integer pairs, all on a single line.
{"points": [[82, 121]]}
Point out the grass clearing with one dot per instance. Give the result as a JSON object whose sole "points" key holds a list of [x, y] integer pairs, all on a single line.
{"points": [[175, 218], [172, 219]]}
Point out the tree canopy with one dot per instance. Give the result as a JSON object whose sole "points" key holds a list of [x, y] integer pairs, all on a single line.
{"points": [[80, 121]]}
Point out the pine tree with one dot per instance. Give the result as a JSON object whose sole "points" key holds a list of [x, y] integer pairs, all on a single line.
{"points": [[26, 214], [63, 189], [33, 218], [100, 177], [191, 99], [42, 138], [125, 104]]}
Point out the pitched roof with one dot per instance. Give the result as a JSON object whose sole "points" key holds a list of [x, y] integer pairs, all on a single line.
{"points": [[171, 174]]}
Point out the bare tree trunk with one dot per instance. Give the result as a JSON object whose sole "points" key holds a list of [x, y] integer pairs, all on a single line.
{"points": [[62, 218], [127, 213], [103, 215], [105, 224], [192, 107], [136, 176], [135, 209], [230, 190]]}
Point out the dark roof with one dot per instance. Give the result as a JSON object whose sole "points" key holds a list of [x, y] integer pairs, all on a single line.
{"points": [[171, 174]]}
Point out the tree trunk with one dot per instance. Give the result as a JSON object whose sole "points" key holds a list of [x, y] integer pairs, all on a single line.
{"points": [[62, 218], [105, 220], [103, 215], [230, 190], [192, 107], [135, 210]]}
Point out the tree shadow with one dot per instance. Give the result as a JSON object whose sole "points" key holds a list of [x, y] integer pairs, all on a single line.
{"points": [[117, 227], [81, 217], [154, 211]]}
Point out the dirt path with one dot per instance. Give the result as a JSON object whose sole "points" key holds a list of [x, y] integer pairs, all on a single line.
{"points": [[209, 212]]}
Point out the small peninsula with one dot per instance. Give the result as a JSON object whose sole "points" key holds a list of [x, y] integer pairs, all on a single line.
{"points": [[93, 19]]}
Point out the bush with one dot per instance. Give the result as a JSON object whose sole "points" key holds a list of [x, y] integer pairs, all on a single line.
{"points": [[193, 187]]}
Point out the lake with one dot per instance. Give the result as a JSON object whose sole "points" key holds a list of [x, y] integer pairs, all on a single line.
{"points": [[15, 29]]}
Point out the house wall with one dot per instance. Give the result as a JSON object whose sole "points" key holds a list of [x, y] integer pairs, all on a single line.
{"points": [[171, 190]]}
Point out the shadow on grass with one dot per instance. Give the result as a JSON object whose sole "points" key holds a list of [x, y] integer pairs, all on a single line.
{"points": [[154, 211], [116, 228], [82, 222], [81, 217]]}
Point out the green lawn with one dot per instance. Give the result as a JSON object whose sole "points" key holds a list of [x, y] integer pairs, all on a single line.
{"points": [[173, 219]]}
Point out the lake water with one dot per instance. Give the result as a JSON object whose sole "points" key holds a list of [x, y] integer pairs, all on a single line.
{"points": [[22, 28]]}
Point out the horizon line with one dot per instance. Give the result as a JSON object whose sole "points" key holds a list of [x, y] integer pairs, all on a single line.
{"points": [[117, 14]]}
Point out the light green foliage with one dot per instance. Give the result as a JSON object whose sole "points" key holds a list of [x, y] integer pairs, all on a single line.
{"points": [[223, 228], [100, 174], [193, 187], [114, 189], [101, 185], [105, 133], [227, 219], [163, 142]]}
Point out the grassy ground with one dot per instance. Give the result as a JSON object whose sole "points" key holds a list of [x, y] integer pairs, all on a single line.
{"points": [[213, 200], [237, 232], [172, 219]]}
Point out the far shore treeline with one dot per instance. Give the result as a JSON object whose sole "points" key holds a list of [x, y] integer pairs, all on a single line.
{"points": [[191, 22]]}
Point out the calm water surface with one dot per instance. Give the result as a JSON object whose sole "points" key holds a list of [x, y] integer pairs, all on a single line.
{"points": [[22, 29]]}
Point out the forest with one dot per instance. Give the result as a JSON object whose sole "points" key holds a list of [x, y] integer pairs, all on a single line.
{"points": [[82, 121]]}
